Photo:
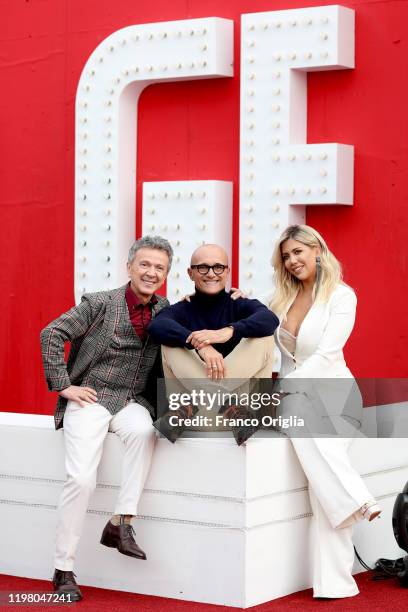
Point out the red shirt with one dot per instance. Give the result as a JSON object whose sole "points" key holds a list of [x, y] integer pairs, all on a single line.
{"points": [[140, 314]]}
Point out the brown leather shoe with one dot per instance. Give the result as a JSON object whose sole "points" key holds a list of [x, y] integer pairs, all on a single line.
{"points": [[121, 537], [64, 584]]}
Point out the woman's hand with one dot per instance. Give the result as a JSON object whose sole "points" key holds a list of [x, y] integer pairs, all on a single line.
{"points": [[237, 293]]}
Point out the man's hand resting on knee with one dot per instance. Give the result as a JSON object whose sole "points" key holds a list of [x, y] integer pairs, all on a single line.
{"points": [[203, 337], [214, 362], [82, 395]]}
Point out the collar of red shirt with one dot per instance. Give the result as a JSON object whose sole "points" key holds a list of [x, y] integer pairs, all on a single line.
{"points": [[133, 301]]}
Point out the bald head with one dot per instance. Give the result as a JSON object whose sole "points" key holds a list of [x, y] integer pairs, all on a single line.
{"points": [[207, 252], [209, 281]]}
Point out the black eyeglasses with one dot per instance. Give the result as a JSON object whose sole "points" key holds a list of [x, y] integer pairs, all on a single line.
{"points": [[203, 269]]}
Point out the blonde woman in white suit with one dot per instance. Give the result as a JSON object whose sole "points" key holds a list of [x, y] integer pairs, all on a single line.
{"points": [[317, 312]]}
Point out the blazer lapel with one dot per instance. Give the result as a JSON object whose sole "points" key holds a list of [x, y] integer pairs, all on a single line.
{"points": [[115, 309]]}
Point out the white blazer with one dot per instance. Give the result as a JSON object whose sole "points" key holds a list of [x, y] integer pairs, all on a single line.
{"points": [[321, 338]]}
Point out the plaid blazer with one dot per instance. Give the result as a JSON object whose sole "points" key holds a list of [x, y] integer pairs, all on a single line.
{"points": [[89, 327]]}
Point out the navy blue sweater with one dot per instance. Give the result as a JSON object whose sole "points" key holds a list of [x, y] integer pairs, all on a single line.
{"points": [[249, 318]]}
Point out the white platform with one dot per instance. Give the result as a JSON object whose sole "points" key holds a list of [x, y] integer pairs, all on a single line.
{"points": [[220, 524]]}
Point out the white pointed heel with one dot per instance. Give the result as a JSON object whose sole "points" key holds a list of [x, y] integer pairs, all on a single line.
{"points": [[370, 511]]}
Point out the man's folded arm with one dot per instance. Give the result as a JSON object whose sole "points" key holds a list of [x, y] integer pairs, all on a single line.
{"points": [[68, 327], [165, 328], [255, 319]]}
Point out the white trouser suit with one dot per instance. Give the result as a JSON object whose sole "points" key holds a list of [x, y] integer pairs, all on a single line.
{"points": [[85, 429], [336, 490]]}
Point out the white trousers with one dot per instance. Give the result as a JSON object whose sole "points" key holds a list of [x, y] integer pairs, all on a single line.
{"points": [[336, 493], [85, 429]]}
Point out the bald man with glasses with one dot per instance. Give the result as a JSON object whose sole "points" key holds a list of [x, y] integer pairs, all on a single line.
{"points": [[213, 336]]}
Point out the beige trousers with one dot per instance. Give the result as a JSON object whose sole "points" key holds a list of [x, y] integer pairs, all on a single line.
{"points": [[185, 371]]}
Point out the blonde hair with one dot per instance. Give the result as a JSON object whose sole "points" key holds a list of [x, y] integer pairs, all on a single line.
{"points": [[286, 285]]}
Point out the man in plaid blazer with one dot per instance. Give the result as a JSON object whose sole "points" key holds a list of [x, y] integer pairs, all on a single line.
{"points": [[107, 384]]}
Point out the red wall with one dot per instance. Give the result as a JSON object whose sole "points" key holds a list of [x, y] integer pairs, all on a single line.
{"points": [[191, 131]]}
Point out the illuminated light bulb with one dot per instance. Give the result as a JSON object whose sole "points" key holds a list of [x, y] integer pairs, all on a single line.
{"points": [[178, 242], [111, 48], [107, 196], [176, 275], [91, 73], [83, 275], [83, 181], [204, 194], [248, 275], [107, 258], [249, 259], [324, 36], [250, 126], [250, 159], [204, 48], [83, 213], [177, 227], [204, 31], [275, 225], [250, 109], [277, 24], [152, 227], [164, 35], [204, 64], [325, 20], [308, 157], [276, 158], [82, 228], [179, 66], [192, 64], [277, 57], [125, 72], [136, 69], [164, 228], [307, 190], [83, 166], [108, 134], [276, 208], [178, 195], [152, 211], [276, 108], [83, 290], [177, 291], [165, 67], [84, 104], [84, 196], [87, 88], [251, 60], [251, 43], [202, 227], [323, 156], [251, 28], [191, 194], [308, 21], [275, 141], [249, 143], [107, 275], [323, 172], [151, 196], [251, 93], [276, 125], [203, 211], [249, 225], [107, 228], [151, 36], [324, 55], [83, 243], [323, 190], [251, 77], [291, 190], [276, 91], [265, 26], [179, 33], [111, 91], [107, 243], [192, 32], [292, 56], [108, 119], [84, 151], [308, 55], [293, 23], [83, 120], [83, 259], [150, 68], [276, 191], [249, 209], [108, 212], [109, 103], [249, 193], [248, 242], [108, 165], [177, 259], [100, 59], [249, 176], [276, 74], [123, 41], [291, 157], [108, 149]]}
